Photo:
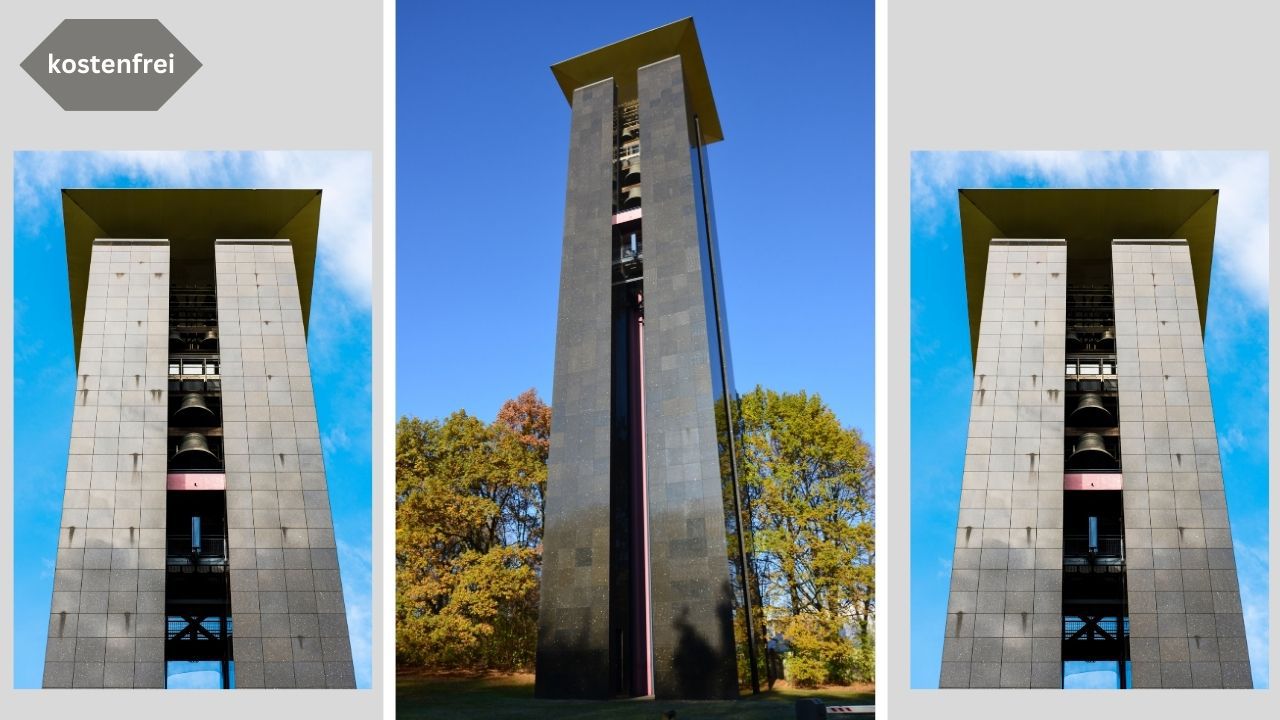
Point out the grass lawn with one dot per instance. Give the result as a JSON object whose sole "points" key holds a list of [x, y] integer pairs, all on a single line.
{"points": [[444, 697]]}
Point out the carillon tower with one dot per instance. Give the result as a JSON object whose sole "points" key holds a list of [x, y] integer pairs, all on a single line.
{"points": [[1093, 546], [196, 547], [642, 573]]}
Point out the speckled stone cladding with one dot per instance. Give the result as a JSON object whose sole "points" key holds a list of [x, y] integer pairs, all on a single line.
{"points": [[290, 623], [692, 602], [1004, 614], [573, 621], [691, 619], [1186, 622], [106, 626]]}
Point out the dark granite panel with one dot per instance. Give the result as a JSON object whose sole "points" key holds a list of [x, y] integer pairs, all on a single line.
{"points": [[691, 597], [573, 623]]}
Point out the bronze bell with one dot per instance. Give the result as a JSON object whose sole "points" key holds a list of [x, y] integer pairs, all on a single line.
{"points": [[193, 452], [1108, 339], [176, 341], [209, 341], [193, 410], [631, 197], [1073, 342], [1091, 454], [1090, 412]]}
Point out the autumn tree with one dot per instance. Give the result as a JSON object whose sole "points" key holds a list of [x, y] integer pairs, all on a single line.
{"points": [[468, 537], [469, 522], [809, 487]]}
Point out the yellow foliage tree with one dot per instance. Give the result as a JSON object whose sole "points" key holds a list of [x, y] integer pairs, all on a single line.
{"points": [[809, 487], [468, 537]]}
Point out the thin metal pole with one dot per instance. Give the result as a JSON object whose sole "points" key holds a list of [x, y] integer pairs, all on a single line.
{"points": [[728, 417]]}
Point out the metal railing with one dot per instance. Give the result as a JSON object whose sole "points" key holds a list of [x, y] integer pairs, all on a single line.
{"points": [[212, 551], [203, 629], [1076, 550], [1109, 627]]}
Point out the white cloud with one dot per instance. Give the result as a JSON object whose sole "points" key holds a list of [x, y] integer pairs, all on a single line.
{"points": [[1231, 440], [346, 211], [345, 251], [337, 439], [1242, 249]]}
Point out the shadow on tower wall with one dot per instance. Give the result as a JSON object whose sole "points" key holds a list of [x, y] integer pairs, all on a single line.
{"points": [[700, 670], [567, 666]]}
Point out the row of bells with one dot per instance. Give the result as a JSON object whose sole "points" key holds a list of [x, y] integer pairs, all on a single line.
{"points": [[1107, 341], [1091, 451], [207, 340], [193, 451]]}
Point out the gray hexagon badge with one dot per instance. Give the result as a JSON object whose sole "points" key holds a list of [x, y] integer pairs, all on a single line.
{"points": [[112, 64]]}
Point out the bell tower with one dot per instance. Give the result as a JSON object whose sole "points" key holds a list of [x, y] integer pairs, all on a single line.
{"points": [[644, 564], [196, 544], [1093, 547]]}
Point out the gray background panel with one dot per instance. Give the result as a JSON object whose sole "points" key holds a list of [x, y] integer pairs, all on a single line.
{"points": [[940, 103], [336, 105]]}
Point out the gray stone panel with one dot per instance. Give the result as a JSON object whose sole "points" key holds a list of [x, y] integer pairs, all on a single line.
{"points": [[1187, 626], [691, 599], [573, 622], [1004, 613], [279, 525], [104, 618]]}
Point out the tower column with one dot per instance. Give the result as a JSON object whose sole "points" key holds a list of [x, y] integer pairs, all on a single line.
{"points": [[693, 646], [1186, 621], [286, 596], [573, 621], [106, 628], [1004, 613]]}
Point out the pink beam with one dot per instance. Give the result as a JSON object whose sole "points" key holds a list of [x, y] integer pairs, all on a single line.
{"points": [[626, 216], [197, 481], [644, 512], [1092, 481], [640, 489]]}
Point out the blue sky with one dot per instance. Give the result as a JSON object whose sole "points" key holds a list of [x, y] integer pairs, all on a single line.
{"points": [[942, 370], [44, 372], [482, 136]]}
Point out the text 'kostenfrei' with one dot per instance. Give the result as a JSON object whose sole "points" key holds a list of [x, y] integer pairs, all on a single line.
{"points": [[94, 65]]}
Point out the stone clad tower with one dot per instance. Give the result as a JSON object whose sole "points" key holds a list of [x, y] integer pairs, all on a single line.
{"points": [[642, 571], [196, 547], [1093, 545]]}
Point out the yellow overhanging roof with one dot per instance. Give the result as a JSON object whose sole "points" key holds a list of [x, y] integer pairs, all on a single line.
{"points": [[1088, 220], [622, 59], [190, 219]]}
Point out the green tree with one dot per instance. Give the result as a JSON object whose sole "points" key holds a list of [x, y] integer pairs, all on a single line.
{"points": [[809, 486], [468, 537], [469, 512]]}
